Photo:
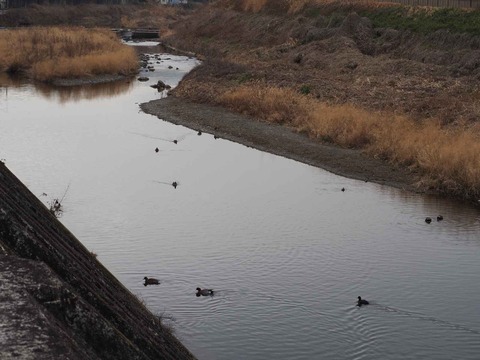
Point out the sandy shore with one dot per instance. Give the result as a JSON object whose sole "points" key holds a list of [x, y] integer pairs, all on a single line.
{"points": [[280, 140]]}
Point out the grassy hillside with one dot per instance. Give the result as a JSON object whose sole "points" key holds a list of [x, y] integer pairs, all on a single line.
{"points": [[387, 79], [382, 14], [92, 15]]}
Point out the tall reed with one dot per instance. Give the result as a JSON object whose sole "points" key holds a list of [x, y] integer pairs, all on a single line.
{"points": [[49, 53], [449, 159]]}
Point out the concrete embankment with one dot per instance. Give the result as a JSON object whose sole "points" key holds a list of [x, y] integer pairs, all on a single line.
{"points": [[57, 301]]}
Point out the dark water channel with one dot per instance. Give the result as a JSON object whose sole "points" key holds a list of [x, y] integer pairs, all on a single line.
{"points": [[285, 249]]}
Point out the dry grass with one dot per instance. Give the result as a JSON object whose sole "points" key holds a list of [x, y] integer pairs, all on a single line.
{"points": [[94, 15], [296, 6], [450, 158], [48, 53], [255, 50], [254, 5], [343, 6]]}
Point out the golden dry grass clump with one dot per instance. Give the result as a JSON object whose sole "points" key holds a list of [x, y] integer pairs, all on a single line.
{"points": [[449, 158], [50, 53], [254, 5]]}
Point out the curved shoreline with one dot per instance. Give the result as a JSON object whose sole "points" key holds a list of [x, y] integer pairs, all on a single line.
{"points": [[282, 141]]}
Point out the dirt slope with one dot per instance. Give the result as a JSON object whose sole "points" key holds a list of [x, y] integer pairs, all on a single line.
{"points": [[279, 140], [338, 58]]}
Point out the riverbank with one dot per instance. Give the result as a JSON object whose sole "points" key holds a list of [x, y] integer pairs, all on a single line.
{"points": [[281, 140], [50, 54], [400, 93], [409, 92], [58, 301]]}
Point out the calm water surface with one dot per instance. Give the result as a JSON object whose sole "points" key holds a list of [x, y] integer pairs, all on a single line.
{"points": [[286, 251]]}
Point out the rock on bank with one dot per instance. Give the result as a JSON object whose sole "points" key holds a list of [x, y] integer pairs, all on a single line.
{"points": [[57, 301]]}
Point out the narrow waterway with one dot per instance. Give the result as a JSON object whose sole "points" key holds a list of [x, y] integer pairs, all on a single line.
{"points": [[286, 251]]}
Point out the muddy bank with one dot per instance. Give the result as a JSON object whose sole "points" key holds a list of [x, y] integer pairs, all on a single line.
{"points": [[280, 140], [99, 79], [58, 301], [258, 60]]}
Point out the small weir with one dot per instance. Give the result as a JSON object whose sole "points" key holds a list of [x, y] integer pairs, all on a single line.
{"points": [[140, 33]]}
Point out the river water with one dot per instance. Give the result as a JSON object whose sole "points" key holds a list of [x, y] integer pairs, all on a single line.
{"points": [[286, 251]]}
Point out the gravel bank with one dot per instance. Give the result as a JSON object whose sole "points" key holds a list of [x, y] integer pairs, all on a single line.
{"points": [[279, 140]]}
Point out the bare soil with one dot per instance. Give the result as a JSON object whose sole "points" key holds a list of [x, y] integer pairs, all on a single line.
{"points": [[432, 76], [337, 59], [280, 140]]}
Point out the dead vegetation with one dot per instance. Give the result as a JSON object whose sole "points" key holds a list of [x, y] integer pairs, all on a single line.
{"points": [[50, 53], [400, 83], [404, 96], [55, 206], [449, 157], [297, 6], [93, 15]]}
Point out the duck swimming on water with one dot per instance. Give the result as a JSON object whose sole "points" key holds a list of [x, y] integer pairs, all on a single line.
{"points": [[361, 301], [204, 292], [151, 281], [175, 184]]}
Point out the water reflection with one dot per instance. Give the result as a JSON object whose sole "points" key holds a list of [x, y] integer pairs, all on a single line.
{"points": [[65, 94], [7, 81], [85, 92], [453, 211], [285, 250]]}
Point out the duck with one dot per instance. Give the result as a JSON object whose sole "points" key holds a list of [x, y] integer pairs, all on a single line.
{"points": [[428, 220], [199, 132], [175, 184], [157, 150], [343, 189], [151, 281], [361, 301], [439, 217], [204, 292]]}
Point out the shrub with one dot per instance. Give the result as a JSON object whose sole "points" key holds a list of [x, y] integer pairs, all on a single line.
{"points": [[305, 89]]}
